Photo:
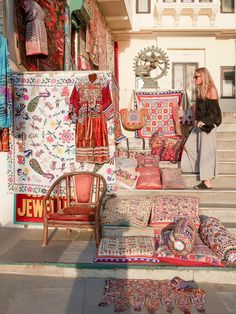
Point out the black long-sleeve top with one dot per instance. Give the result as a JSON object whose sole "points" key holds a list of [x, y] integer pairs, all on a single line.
{"points": [[208, 111]]}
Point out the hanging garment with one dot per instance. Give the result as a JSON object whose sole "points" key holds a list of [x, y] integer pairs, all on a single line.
{"points": [[36, 36], [5, 86], [89, 101]]}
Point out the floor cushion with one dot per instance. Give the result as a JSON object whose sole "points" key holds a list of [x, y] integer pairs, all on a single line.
{"points": [[172, 178], [218, 238], [127, 211], [167, 209], [128, 247], [149, 178], [182, 237], [201, 254]]}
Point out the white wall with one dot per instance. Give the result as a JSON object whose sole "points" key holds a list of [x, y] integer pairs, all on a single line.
{"points": [[207, 51]]}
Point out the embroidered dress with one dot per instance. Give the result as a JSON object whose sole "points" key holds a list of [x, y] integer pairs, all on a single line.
{"points": [[36, 36], [5, 86], [89, 101]]}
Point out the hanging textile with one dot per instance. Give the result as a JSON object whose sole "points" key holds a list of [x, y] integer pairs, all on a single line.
{"points": [[43, 145], [54, 24], [89, 100], [5, 86], [36, 35]]}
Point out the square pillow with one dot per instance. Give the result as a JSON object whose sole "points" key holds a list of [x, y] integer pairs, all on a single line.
{"points": [[182, 237], [146, 159], [201, 254], [125, 163], [128, 247], [167, 209], [172, 178], [149, 178], [127, 211], [126, 178]]}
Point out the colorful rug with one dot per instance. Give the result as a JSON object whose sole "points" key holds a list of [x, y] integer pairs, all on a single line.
{"points": [[161, 112], [175, 293], [43, 144]]}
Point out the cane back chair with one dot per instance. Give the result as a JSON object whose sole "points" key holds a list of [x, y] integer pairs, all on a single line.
{"points": [[74, 201]]}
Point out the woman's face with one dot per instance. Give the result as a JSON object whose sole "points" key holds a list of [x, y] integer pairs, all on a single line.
{"points": [[197, 78]]}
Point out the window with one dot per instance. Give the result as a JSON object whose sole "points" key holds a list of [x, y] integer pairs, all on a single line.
{"points": [[227, 6], [227, 82], [143, 6], [182, 78]]}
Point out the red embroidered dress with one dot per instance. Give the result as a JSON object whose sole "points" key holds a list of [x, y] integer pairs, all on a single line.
{"points": [[90, 100]]}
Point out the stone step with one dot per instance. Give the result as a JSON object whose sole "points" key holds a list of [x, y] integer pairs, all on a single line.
{"points": [[226, 155], [226, 145], [226, 136], [229, 117], [227, 166], [223, 180], [224, 212], [212, 275], [227, 127], [121, 231], [215, 195]]}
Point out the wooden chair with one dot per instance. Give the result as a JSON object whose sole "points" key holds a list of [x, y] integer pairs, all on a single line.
{"points": [[74, 202]]}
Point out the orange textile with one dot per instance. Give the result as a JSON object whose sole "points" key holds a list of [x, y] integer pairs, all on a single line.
{"points": [[89, 100]]}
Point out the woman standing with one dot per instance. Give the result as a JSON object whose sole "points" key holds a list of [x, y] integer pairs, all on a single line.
{"points": [[199, 154]]}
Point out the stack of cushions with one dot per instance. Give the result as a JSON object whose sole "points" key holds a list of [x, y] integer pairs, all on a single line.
{"points": [[126, 249], [182, 237], [127, 211], [218, 238], [201, 254], [167, 209]]}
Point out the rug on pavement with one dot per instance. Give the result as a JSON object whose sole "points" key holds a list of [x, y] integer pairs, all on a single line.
{"points": [[136, 293]]}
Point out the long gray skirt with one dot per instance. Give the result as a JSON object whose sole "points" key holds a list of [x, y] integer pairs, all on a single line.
{"points": [[199, 154]]}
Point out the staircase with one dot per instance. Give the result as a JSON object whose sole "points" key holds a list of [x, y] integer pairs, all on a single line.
{"points": [[220, 202]]}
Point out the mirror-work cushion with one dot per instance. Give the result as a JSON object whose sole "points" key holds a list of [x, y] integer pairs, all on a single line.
{"points": [[136, 246], [218, 238], [127, 211], [167, 209], [201, 254], [182, 237]]}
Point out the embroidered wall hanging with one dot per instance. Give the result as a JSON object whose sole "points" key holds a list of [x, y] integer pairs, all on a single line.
{"points": [[43, 143], [160, 115]]}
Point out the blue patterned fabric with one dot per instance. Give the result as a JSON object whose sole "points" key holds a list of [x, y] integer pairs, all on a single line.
{"points": [[5, 86]]}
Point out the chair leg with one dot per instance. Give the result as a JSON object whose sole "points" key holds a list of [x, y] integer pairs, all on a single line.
{"points": [[98, 235], [45, 235]]}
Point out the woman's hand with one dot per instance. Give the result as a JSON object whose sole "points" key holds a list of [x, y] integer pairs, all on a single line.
{"points": [[200, 124]]}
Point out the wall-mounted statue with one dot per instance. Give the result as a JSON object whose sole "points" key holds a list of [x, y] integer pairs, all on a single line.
{"points": [[150, 65]]}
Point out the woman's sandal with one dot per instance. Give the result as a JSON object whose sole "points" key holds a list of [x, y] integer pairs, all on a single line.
{"points": [[202, 186]]}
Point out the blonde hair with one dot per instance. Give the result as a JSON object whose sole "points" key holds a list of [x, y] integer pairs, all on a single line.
{"points": [[207, 82]]}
